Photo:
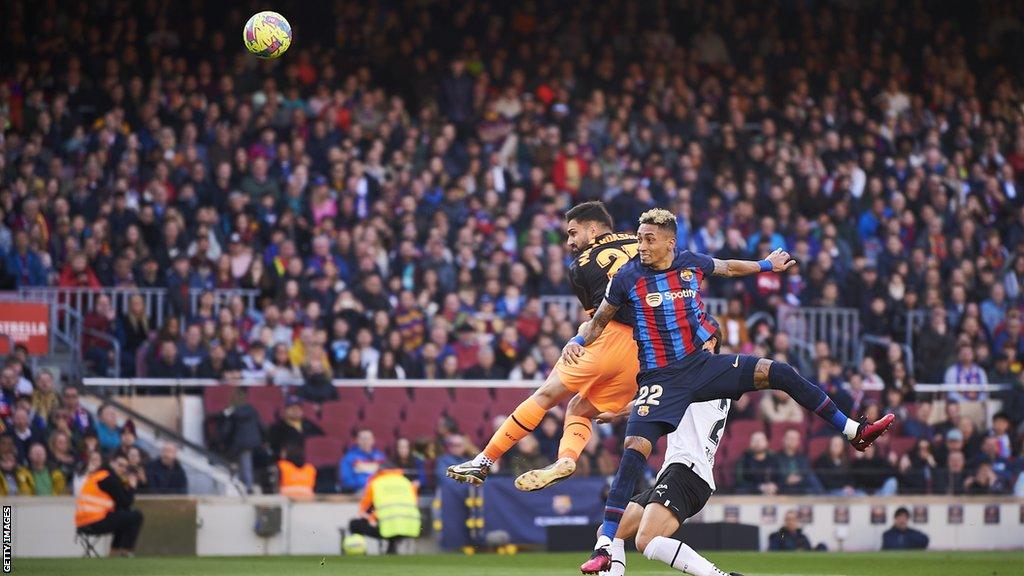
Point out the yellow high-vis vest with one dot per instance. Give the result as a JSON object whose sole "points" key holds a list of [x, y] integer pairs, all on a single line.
{"points": [[394, 505]]}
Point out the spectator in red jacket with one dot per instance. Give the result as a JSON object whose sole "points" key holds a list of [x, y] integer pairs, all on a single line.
{"points": [[78, 274]]}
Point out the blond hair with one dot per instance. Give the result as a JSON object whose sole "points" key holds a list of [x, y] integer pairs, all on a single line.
{"points": [[659, 217]]}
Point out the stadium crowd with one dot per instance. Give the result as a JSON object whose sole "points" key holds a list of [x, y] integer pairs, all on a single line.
{"points": [[393, 189], [51, 443]]}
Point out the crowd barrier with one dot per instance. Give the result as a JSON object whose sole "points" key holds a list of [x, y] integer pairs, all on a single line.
{"points": [[172, 383], [224, 526], [156, 300]]}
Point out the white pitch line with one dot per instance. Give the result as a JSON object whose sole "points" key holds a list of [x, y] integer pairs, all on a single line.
{"points": [[776, 574]]}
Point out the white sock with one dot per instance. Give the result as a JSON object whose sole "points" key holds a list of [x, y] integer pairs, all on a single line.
{"points": [[603, 542], [679, 556], [618, 551], [482, 460], [850, 430]]}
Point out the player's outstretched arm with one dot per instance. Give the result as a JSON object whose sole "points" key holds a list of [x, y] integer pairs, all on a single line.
{"points": [[589, 332], [778, 261]]}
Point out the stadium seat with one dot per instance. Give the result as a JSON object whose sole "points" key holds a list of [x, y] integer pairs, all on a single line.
{"points": [[779, 429], [384, 409], [743, 428], [399, 396], [420, 420], [270, 394], [431, 400], [736, 445], [471, 422], [338, 418], [267, 410], [817, 446], [311, 411], [324, 450], [383, 430], [417, 429], [901, 444], [506, 400], [355, 396], [725, 472], [217, 398], [476, 397]]}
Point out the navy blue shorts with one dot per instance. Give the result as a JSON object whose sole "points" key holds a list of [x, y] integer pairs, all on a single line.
{"points": [[665, 393]]}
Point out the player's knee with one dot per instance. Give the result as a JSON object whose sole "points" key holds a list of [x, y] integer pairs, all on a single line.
{"points": [[638, 443], [642, 540], [548, 395], [574, 405], [580, 406]]}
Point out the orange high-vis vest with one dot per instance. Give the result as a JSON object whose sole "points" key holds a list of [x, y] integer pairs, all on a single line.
{"points": [[93, 504], [297, 482]]}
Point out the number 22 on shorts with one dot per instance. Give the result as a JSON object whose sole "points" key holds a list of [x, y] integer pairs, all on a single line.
{"points": [[646, 397]]}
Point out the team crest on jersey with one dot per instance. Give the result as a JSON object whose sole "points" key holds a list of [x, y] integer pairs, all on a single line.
{"points": [[686, 275], [561, 504], [643, 410], [654, 299]]}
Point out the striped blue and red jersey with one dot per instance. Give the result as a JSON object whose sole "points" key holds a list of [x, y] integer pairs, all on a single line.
{"points": [[670, 320]]}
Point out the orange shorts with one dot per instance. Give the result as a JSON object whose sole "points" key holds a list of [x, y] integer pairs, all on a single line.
{"points": [[606, 374]]}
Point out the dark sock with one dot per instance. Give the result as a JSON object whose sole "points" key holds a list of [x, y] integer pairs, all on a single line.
{"points": [[630, 468], [806, 393]]}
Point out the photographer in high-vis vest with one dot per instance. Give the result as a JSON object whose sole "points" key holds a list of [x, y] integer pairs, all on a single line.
{"points": [[388, 509], [296, 476], [103, 506]]}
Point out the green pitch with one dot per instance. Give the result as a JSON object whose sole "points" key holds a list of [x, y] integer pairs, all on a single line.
{"points": [[748, 563]]}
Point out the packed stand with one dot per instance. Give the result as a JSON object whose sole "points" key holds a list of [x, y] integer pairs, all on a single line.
{"points": [[50, 444], [392, 191]]}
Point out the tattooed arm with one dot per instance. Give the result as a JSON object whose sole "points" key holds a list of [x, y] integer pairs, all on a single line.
{"points": [[589, 332]]}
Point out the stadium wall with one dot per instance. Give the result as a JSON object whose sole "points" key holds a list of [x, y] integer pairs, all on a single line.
{"points": [[979, 527], [43, 526], [220, 526]]}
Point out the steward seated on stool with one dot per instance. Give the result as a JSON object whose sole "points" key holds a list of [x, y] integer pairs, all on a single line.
{"points": [[104, 506]]}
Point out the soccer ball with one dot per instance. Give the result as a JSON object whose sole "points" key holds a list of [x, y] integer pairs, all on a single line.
{"points": [[354, 545], [267, 34]]}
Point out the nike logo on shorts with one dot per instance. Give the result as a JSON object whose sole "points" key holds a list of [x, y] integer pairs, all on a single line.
{"points": [[736, 362]]}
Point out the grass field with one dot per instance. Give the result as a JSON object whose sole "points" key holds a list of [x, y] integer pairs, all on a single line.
{"points": [[748, 563]]}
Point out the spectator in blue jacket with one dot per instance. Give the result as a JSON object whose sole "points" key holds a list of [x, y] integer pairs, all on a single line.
{"points": [[917, 426], [767, 232], [107, 430], [362, 461], [790, 537], [24, 264], [901, 536], [455, 452]]}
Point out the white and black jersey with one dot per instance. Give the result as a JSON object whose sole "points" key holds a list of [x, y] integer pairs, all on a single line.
{"points": [[686, 481], [696, 439]]}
